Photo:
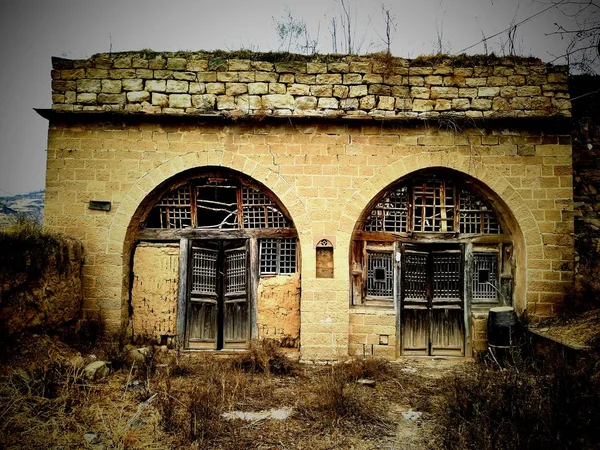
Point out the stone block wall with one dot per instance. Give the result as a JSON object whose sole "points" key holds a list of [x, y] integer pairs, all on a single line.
{"points": [[331, 85], [325, 170]]}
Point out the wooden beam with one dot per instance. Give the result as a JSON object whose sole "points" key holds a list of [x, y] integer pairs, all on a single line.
{"points": [[202, 234], [254, 279], [433, 238], [184, 253]]}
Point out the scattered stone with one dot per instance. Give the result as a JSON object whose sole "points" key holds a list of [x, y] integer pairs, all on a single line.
{"points": [[90, 438], [412, 415], [97, 370], [366, 382]]}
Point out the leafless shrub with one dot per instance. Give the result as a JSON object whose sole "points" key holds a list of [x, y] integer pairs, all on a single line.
{"points": [[551, 405], [265, 356]]}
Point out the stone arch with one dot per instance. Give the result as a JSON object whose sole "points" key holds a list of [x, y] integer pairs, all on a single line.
{"points": [[522, 223], [124, 225]]}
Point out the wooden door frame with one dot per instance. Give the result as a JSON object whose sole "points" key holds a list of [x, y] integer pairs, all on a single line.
{"points": [[465, 270], [185, 250]]}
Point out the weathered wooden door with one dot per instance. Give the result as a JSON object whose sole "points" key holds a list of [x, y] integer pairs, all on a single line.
{"points": [[217, 311], [432, 301]]}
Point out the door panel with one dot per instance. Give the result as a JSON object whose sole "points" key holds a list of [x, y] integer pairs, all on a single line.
{"points": [[203, 299], [431, 296], [447, 335], [217, 313], [415, 331], [235, 298]]}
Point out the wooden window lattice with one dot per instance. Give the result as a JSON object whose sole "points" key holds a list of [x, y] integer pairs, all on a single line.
{"points": [[485, 277], [380, 275], [446, 276], [236, 272], [175, 209], [475, 216], [260, 211], [217, 206], [415, 276], [277, 256], [435, 206], [390, 214], [204, 272]]}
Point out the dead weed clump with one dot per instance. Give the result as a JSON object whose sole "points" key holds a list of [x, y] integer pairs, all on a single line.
{"points": [[338, 402], [555, 405], [192, 412], [265, 356]]}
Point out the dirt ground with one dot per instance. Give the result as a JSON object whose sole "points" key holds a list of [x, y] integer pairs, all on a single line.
{"points": [[47, 402]]}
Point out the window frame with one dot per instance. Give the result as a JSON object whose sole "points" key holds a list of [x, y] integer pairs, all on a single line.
{"points": [[279, 256]]}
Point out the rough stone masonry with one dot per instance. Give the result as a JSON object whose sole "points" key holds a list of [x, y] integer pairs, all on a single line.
{"points": [[326, 137]]}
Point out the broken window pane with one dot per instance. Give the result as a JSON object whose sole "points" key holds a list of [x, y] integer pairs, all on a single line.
{"points": [[216, 206], [220, 203], [485, 277], [433, 206]]}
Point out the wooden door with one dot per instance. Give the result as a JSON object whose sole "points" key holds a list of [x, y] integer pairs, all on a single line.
{"points": [[217, 311], [432, 302], [235, 295]]}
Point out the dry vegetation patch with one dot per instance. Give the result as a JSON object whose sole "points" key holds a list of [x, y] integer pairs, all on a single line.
{"points": [[170, 401]]}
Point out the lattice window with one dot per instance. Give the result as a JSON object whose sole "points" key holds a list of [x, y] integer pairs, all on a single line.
{"points": [[260, 211], [390, 214], [485, 277], [475, 216], [430, 205], [380, 275], [236, 272], [446, 276], [277, 256], [174, 209], [415, 276], [204, 272], [433, 206], [215, 202]]}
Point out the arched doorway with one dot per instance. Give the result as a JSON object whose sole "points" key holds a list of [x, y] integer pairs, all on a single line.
{"points": [[229, 233], [434, 248]]}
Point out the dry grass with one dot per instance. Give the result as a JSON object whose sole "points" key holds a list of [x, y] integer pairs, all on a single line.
{"points": [[173, 401], [536, 403]]}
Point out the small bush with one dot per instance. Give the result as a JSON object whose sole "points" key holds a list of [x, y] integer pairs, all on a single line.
{"points": [[195, 414], [555, 405], [265, 356], [340, 403], [369, 367]]}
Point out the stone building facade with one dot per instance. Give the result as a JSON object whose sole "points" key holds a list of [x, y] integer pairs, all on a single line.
{"points": [[339, 204]]}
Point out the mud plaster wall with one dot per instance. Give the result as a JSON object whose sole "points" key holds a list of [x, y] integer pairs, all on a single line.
{"points": [[40, 282], [279, 309], [154, 291]]}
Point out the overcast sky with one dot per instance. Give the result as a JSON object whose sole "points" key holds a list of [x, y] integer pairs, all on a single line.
{"points": [[33, 31]]}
